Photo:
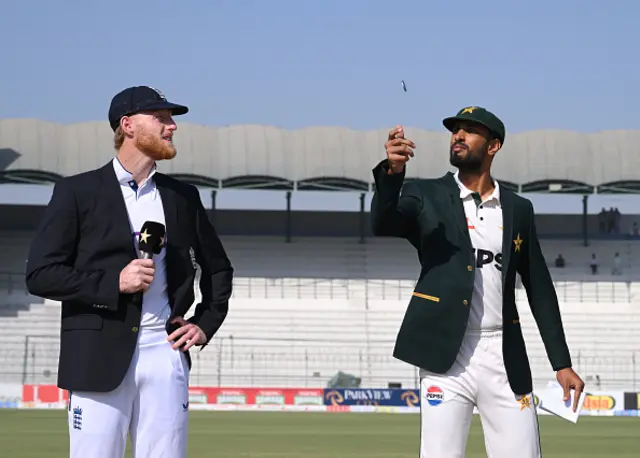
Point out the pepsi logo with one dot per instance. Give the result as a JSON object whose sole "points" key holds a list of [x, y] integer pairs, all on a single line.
{"points": [[435, 395]]}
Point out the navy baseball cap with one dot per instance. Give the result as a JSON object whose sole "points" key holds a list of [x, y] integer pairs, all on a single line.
{"points": [[140, 98]]}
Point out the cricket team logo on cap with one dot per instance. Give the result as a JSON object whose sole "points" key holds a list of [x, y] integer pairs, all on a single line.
{"points": [[435, 395], [158, 92]]}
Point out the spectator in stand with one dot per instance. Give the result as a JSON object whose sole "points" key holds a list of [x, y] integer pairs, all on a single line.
{"points": [[594, 264], [616, 264]]}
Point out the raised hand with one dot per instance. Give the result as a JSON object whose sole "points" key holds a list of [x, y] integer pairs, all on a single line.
{"points": [[399, 150]]}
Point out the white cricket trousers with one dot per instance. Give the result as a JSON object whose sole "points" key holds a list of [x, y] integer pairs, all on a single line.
{"points": [[151, 403], [477, 379]]}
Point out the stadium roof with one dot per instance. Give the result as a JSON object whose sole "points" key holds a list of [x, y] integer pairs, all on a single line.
{"points": [[266, 157]]}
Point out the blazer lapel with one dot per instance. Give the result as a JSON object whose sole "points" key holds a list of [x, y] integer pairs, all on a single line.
{"points": [[117, 207], [170, 206], [507, 203], [455, 203]]}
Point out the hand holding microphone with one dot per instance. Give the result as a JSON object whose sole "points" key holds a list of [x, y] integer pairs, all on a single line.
{"points": [[138, 274]]}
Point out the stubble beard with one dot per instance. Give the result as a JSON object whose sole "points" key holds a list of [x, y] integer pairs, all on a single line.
{"points": [[471, 162]]}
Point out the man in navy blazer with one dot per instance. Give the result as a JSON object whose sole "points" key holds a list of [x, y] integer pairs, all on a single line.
{"points": [[124, 343]]}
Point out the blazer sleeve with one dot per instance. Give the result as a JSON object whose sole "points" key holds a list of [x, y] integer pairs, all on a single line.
{"points": [[216, 280], [50, 265], [395, 205], [543, 300]]}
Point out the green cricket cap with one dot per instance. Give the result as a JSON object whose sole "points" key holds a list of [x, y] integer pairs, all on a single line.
{"points": [[478, 115]]}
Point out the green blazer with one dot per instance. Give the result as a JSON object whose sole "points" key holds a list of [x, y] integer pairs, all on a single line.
{"points": [[429, 214]]}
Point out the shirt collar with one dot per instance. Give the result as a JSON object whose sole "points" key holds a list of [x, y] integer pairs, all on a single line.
{"points": [[466, 192], [126, 178]]}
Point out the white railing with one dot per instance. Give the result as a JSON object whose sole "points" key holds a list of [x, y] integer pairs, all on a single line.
{"points": [[620, 289], [328, 288]]}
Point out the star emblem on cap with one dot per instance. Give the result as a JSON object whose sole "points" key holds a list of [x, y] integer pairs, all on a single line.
{"points": [[468, 110], [517, 242], [144, 236]]}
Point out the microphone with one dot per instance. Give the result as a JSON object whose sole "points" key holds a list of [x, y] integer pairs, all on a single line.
{"points": [[151, 239], [150, 242]]}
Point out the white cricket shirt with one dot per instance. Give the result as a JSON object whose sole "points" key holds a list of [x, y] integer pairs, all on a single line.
{"points": [[484, 219], [145, 204]]}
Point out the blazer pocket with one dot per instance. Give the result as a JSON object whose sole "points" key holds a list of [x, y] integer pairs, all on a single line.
{"points": [[82, 322], [426, 296]]}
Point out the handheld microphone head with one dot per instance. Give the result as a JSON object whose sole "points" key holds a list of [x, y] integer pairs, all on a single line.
{"points": [[151, 239]]}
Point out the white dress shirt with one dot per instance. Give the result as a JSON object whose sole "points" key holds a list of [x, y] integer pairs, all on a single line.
{"points": [[144, 203]]}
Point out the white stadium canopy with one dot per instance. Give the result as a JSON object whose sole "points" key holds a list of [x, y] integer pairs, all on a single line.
{"points": [[266, 157]]}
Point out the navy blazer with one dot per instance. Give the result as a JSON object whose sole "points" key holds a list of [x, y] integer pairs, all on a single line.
{"points": [[80, 247]]}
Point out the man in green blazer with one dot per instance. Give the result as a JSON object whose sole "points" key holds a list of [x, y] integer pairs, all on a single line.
{"points": [[461, 327]]}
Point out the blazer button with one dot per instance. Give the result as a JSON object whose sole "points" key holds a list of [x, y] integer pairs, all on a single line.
{"points": [[134, 329], [465, 302], [469, 267]]}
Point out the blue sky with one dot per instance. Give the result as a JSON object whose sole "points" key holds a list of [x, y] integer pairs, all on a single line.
{"points": [[562, 64]]}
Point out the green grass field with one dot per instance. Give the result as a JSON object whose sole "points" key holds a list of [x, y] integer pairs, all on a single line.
{"points": [[43, 434]]}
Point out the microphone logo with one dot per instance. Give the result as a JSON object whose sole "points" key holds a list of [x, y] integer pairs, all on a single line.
{"points": [[144, 236], [151, 239]]}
